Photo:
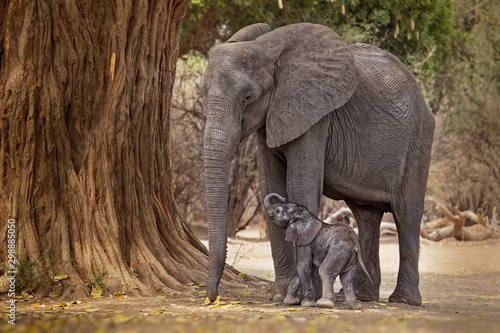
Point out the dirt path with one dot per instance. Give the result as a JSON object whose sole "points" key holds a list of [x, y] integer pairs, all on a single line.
{"points": [[460, 286]]}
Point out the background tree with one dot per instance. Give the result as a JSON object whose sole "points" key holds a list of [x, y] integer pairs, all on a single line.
{"points": [[85, 92], [466, 166], [188, 122]]}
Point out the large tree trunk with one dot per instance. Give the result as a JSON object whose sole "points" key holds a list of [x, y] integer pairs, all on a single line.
{"points": [[85, 90]]}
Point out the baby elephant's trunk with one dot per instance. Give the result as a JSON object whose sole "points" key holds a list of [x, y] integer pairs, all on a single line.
{"points": [[267, 200]]}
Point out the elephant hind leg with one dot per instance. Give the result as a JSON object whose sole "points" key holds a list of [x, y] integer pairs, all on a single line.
{"points": [[368, 219], [331, 267], [347, 280], [408, 219]]}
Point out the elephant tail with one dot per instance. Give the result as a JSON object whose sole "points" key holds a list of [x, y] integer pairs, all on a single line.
{"points": [[360, 260], [358, 253]]}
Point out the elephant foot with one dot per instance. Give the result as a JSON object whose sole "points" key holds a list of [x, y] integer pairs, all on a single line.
{"points": [[308, 303], [324, 302], [367, 294], [355, 305], [364, 289], [291, 300], [408, 296], [278, 291]]}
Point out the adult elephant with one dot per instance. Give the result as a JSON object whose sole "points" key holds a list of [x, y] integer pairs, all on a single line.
{"points": [[347, 121]]}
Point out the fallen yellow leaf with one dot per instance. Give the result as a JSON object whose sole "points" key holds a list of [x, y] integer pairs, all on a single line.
{"points": [[55, 294], [62, 304], [97, 289], [61, 277], [212, 304]]}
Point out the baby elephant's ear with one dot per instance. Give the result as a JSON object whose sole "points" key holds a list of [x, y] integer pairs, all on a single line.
{"points": [[302, 232]]}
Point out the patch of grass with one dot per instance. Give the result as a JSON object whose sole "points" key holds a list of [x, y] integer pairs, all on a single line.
{"points": [[35, 273], [97, 286]]}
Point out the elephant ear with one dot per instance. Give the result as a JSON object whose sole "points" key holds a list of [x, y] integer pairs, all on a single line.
{"points": [[302, 231], [315, 74], [249, 33]]}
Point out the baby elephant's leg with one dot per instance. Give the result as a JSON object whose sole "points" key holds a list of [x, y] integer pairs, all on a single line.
{"points": [[291, 294], [304, 272], [329, 269], [347, 280]]}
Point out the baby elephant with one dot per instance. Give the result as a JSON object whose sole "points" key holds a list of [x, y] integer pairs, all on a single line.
{"points": [[333, 248]]}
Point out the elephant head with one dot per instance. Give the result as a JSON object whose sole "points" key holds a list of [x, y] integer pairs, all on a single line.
{"points": [[301, 226], [275, 212], [283, 80]]}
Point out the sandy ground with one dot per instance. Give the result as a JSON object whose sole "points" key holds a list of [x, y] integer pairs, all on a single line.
{"points": [[460, 286]]}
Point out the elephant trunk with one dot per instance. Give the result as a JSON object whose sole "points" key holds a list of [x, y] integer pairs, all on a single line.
{"points": [[220, 143], [267, 200]]}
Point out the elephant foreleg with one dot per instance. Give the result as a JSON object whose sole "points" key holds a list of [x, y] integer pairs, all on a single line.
{"points": [[304, 272], [304, 179], [292, 292], [273, 180]]}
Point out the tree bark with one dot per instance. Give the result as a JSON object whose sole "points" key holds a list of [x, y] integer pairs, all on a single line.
{"points": [[85, 92]]}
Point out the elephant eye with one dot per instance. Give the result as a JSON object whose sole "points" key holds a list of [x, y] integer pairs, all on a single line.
{"points": [[247, 97]]}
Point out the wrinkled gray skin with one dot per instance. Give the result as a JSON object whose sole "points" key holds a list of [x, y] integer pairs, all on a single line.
{"points": [[333, 248], [347, 121]]}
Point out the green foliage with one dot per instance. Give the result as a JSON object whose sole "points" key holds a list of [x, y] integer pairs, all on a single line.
{"points": [[35, 273], [410, 29]]}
